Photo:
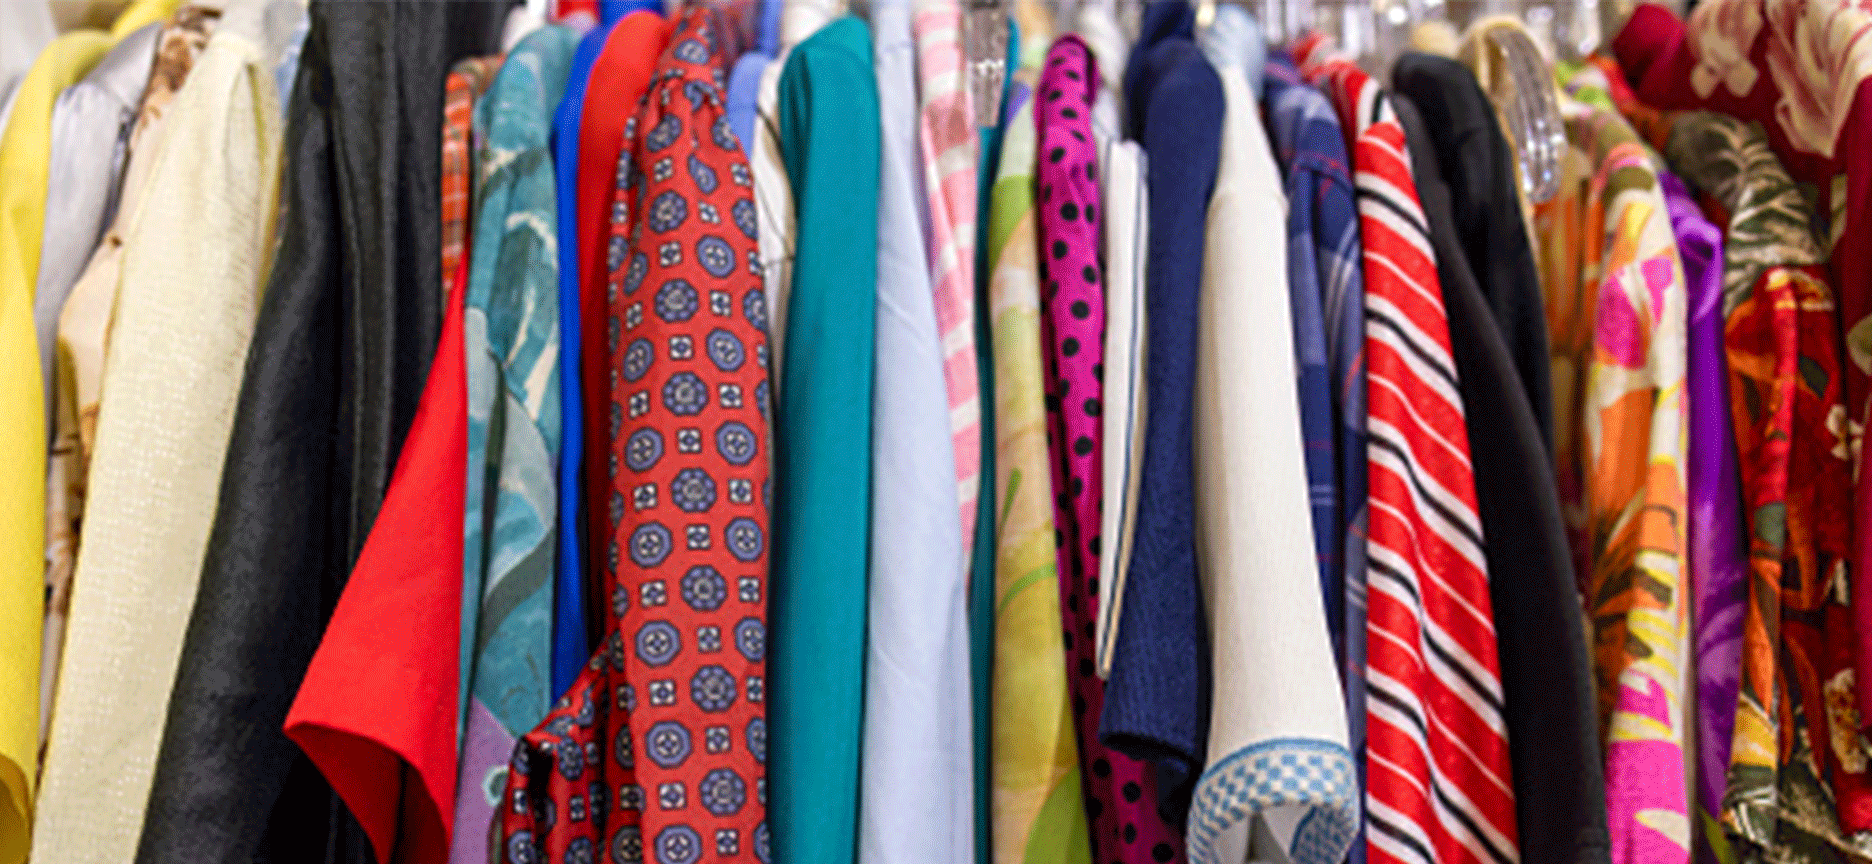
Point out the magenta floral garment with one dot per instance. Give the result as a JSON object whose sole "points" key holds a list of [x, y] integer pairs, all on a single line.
{"points": [[1120, 796]]}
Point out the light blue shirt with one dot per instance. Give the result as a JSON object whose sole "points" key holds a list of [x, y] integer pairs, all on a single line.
{"points": [[917, 800], [91, 124], [744, 97]]}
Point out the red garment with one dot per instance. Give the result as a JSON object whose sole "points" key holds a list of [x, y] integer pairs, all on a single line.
{"points": [[1438, 785], [564, 9], [1789, 42], [616, 86], [379, 699], [657, 751]]}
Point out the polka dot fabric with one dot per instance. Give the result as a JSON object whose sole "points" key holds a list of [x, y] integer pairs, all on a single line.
{"points": [[1120, 796], [657, 752]]}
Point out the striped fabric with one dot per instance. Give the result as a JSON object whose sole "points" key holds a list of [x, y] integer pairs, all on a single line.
{"points": [[1437, 753], [946, 132]]}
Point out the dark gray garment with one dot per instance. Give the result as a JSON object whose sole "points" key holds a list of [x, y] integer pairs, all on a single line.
{"points": [[346, 330]]}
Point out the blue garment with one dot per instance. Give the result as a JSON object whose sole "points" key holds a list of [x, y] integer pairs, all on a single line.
{"points": [[918, 790], [612, 11], [767, 40], [569, 648], [286, 71], [1323, 239], [1299, 115], [1157, 698], [744, 97], [512, 350]]}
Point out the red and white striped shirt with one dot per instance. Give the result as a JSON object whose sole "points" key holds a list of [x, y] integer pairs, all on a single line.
{"points": [[1438, 788]]}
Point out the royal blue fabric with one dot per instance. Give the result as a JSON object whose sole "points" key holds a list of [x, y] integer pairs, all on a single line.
{"points": [[1157, 698], [768, 38], [569, 648], [611, 11]]}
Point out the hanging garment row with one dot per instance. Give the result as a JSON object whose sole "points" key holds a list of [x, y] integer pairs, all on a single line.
{"points": [[1092, 433]]}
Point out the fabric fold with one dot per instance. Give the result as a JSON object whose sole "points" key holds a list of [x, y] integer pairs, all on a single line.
{"points": [[1157, 698], [512, 340], [25, 163], [829, 121], [390, 625], [1039, 814]]}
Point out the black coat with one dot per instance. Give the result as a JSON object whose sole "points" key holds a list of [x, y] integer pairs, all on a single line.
{"points": [[1546, 670]]}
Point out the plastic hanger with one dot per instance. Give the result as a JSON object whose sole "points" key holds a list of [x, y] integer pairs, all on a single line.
{"points": [[985, 47], [1518, 77]]}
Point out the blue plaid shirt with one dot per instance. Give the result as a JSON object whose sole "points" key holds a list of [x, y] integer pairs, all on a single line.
{"points": [[1323, 254]]}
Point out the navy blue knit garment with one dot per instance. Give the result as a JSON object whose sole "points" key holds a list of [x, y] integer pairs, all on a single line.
{"points": [[1157, 698]]}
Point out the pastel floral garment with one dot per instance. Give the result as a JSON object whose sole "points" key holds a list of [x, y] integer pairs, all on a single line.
{"points": [[1796, 750], [1616, 317], [512, 344], [1039, 817], [657, 751]]}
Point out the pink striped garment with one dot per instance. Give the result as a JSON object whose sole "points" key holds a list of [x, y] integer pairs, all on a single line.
{"points": [[946, 133]]}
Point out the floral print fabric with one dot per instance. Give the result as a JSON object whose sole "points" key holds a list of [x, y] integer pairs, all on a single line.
{"points": [[1038, 812], [512, 339], [1796, 760], [1803, 69], [1619, 367]]}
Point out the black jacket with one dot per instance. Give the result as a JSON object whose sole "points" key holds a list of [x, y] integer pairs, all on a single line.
{"points": [[1546, 670], [1478, 164]]}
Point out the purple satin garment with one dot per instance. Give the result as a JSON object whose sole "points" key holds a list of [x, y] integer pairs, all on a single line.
{"points": [[1718, 553]]}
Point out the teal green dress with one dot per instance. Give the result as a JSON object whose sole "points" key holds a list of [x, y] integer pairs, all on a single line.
{"points": [[829, 128], [982, 560]]}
